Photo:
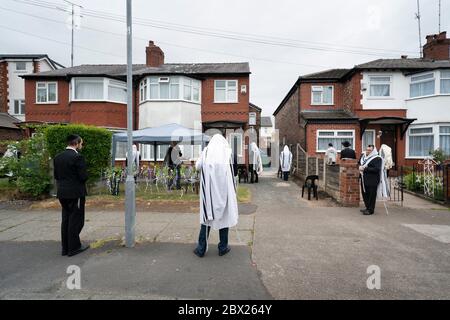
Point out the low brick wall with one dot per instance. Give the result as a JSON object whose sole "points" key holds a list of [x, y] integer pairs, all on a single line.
{"points": [[340, 181]]}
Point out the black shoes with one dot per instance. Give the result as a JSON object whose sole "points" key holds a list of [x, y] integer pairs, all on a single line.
{"points": [[224, 252], [79, 250], [198, 254], [367, 212]]}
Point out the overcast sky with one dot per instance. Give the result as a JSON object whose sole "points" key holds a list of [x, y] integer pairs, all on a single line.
{"points": [[317, 34]]}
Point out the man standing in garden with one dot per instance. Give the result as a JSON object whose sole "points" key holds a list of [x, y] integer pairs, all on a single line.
{"points": [[71, 176]]}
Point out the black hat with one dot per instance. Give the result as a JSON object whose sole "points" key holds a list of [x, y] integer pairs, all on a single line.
{"points": [[346, 144]]}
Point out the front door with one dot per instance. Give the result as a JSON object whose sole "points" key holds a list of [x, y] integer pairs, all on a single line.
{"points": [[389, 138]]}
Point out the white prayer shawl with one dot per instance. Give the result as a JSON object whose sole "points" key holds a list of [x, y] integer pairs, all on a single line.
{"points": [[386, 154], [218, 201], [383, 191], [256, 159], [286, 159], [135, 156]]}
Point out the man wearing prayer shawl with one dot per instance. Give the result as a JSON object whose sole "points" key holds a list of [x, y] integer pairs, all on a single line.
{"points": [[218, 202], [373, 179], [256, 162], [286, 162]]}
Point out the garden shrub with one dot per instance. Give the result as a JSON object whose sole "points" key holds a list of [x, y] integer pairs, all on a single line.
{"points": [[96, 147]]}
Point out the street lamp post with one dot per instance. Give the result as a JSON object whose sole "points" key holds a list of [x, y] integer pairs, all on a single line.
{"points": [[130, 203]]}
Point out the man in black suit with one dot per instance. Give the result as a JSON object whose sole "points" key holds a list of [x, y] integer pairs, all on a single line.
{"points": [[347, 152], [370, 167], [71, 176]]}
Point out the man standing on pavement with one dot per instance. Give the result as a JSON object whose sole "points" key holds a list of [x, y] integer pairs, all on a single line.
{"points": [[370, 168], [71, 176]]}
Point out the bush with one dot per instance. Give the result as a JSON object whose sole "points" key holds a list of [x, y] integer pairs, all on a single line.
{"points": [[30, 171], [96, 147]]}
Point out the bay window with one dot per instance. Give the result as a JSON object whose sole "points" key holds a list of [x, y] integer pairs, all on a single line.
{"points": [[380, 86], [225, 91], [335, 137], [445, 82], [444, 139], [169, 88], [322, 95], [421, 142], [99, 89], [235, 141], [422, 85], [46, 92]]}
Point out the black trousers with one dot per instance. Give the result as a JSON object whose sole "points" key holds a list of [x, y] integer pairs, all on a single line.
{"points": [[254, 176], [369, 196], [72, 223], [286, 175], [204, 235]]}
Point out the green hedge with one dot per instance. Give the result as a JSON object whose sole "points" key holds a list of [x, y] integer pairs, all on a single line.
{"points": [[96, 147]]}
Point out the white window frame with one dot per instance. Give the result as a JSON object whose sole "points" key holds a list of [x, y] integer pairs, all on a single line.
{"points": [[143, 90], [441, 77], [411, 82], [316, 89], [46, 83], [433, 133], [194, 83], [227, 81], [336, 135], [390, 83], [106, 84], [240, 147], [21, 104], [373, 141], [250, 116], [21, 70]]}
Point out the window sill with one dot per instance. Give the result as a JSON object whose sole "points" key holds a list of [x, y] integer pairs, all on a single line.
{"points": [[226, 102], [429, 96], [380, 98], [322, 105], [47, 102], [170, 100], [90, 100]]}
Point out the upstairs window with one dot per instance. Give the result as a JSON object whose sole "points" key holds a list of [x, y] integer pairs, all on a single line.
{"points": [[225, 91], [46, 92], [89, 89], [170, 88], [422, 85], [21, 66], [19, 107], [322, 95], [380, 86], [445, 82], [99, 89]]}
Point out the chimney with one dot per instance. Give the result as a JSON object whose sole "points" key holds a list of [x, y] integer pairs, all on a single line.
{"points": [[437, 47], [154, 55]]}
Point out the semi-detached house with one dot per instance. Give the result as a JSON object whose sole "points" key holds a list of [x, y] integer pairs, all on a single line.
{"points": [[404, 103], [195, 95]]}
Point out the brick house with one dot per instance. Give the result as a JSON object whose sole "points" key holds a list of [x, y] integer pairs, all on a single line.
{"points": [[403, 103], [9, 131], [12, 86], [197, 95]]}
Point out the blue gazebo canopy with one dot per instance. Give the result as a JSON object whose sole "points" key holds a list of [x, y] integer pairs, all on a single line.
{"points": [[161, 135]]}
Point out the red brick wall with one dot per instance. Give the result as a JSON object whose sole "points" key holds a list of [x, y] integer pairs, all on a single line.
{"points": [[287, 122], [349, 183], [225, 111], [105, 114], [437, 47], [352, 93], [305, 96], [3, 86]]}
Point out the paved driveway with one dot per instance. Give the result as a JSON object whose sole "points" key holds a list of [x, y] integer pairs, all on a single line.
{"points": [[305, 251]]}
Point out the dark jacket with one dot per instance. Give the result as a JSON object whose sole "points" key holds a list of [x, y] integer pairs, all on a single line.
{"points": [[348, 153], [372, 172], [70, 174]]}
